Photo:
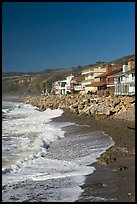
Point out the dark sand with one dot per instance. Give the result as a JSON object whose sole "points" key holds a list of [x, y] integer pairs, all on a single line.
{"points": [[113, 179]]}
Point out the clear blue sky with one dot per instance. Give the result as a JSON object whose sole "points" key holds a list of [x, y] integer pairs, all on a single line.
{"points": [[42, 35]]}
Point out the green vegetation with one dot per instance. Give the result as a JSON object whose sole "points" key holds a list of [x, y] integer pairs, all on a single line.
{"points": [[46, 87]]}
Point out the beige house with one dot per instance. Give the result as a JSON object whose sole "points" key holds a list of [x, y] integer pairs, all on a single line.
{"points": [[90, 75], [76, 84]]}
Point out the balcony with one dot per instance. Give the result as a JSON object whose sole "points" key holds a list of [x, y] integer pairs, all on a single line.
{"points": [[87, 71], [98, 83], [78, 88], [110, 84]]}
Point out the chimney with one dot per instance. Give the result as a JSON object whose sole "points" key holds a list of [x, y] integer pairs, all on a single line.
{"points": [[108, 69], [125, 68]]}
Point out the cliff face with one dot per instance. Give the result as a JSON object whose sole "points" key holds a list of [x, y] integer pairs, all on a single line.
{"points": [[17, 85], [30, 84]]}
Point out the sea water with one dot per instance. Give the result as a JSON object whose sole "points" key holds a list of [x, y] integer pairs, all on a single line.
{"points": [[38, 162]]}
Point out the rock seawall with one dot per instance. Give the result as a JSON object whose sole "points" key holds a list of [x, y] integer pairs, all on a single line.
{"points": [[96, 106]]}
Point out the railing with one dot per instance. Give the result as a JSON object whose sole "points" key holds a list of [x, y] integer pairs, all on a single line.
{"points": [[87, 81], [87, 71], [124, 89], [90, 77], [110, 83], [78, 88]]}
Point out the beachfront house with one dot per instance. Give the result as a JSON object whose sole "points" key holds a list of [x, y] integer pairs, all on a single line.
{"points": [[106, 80], [76, 84], [55, 88], [90, 75], [124, 81], [62, 86], [117, 80], [110, 79]]}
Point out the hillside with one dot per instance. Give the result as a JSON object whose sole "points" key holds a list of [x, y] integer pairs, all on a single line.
{"points": [[20, 83], [30, 84]]}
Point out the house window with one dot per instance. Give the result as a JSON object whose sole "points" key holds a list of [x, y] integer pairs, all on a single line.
{"points": [[121, 79], [104, 80], [133, 76], [118, 80], [63, 84]]}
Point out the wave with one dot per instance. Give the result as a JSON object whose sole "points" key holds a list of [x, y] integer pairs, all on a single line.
{"points": [[38, 151], [53, 169], [27, 135], [5, 110]]}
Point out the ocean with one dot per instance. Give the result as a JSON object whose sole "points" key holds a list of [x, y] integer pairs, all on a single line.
{"points": [[41, 164]]}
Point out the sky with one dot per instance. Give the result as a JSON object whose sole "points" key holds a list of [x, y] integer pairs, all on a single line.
{"points": [[51, 35]]}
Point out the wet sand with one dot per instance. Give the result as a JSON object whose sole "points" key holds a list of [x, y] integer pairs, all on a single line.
{"points": [[114, 177]]}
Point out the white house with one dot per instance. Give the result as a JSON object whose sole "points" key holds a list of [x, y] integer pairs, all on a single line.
{"points": [[124, 81], [63, 86]]}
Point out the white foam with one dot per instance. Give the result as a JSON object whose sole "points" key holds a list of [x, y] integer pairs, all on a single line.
{"points": [[47, 169], [29, 130], [30, 137]]}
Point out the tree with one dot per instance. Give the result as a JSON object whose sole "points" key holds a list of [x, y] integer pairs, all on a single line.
{"points": [[46, 87]]}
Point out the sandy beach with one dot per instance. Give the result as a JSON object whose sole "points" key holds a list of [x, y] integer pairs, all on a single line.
{"points": [[114, 177]]}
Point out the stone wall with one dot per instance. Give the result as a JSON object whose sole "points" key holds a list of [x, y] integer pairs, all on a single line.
{"points": [[93, 105]]}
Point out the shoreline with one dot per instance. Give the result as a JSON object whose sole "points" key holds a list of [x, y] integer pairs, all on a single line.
{"points": [[114, 177], [14, 98]]}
